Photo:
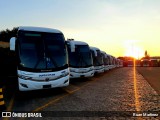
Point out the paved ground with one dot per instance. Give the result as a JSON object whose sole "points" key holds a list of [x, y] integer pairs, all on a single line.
{"points": [[118, 91], [152, 75]]}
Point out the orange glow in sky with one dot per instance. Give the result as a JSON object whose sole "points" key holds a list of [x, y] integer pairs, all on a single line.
{"points": [[133, 50]]}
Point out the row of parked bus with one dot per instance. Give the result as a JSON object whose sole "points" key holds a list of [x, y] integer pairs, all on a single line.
{"points": [[143, 63], [85, 61], [46, 60]]}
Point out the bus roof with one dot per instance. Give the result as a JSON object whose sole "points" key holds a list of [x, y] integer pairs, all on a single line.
{"points": [[78, 42], [145, 60], [154, 59], [39, 29], [94, 48], [103, 52]]}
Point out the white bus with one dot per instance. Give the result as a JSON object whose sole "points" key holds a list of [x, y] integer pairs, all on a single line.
{"points": [[105, 61], [109, 61], [145, 62], [42, 61], [117, 62], [130, 63], [153, 62], [97, 60], [137, 63], [112, 62], [121, 63], [80, 59]]}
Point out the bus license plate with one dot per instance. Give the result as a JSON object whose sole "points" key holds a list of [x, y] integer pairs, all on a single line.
{"points": [[46, 86]]}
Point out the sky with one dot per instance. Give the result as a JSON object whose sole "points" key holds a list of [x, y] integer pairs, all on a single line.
{"points": [[118, 27]]}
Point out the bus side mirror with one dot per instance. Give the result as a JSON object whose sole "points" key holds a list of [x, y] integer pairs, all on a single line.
{"points": [[12, 43], [72, 46], [95, 53], [72, 49]]}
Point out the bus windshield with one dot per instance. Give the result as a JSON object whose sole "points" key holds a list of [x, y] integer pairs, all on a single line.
{"points": [[41, 51], [97, 60], [81, 57], [105, 60]]}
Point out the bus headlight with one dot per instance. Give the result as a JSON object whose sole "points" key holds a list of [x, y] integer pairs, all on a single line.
{"points": [[64, 73], [24, 77], [72, 70]]}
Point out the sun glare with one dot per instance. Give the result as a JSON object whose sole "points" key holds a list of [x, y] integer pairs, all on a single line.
{"points": [[133, 50]]}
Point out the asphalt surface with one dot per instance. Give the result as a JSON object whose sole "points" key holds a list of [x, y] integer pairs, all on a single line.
{"points": [[121, 90], [152, 75]]}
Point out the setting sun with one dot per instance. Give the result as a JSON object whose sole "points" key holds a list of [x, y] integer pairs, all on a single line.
{"points": [[133, 50]]}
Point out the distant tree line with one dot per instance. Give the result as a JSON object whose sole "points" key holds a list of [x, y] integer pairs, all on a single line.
{"points": [[5, 35]]}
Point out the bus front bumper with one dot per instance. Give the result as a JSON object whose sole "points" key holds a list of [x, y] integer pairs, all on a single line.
{"points": [[28, 85], [79, 75]]}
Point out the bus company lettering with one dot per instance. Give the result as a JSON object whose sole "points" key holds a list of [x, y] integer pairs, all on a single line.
{"points": [[46, 75]]}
